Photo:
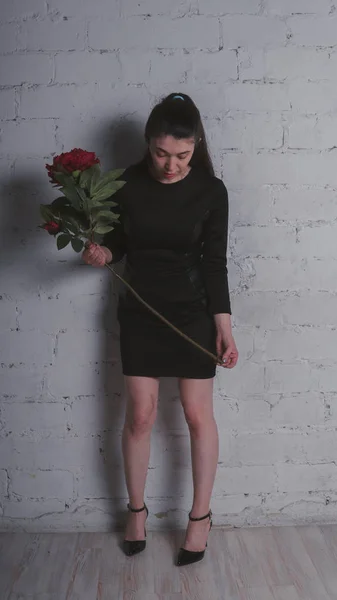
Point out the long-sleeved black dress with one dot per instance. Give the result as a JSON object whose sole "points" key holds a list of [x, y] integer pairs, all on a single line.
{"points": [[174, 236]]}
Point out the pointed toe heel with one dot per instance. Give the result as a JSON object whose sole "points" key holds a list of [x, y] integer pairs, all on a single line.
{"points": [[188, 557], [132, 547]]}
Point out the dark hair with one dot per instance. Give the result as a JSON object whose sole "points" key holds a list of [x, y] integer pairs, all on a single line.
{"points": [[178, 116]]}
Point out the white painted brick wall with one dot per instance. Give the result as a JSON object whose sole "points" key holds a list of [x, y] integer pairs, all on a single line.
{"points": [[311, 31], [313, 132], [293, 7], [18, 69], [152, 32], [83, 73], [218, 7], [43, 484]]}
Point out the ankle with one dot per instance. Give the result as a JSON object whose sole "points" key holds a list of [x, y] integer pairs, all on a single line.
{"points": [[136, 507], [199, 515]]}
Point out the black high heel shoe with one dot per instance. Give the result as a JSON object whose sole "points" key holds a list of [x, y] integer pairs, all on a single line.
{"points": [[187, 557], [130, 548]]}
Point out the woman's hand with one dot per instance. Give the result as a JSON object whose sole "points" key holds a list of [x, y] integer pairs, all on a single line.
{"points": [[225, 344], [96, 255]]}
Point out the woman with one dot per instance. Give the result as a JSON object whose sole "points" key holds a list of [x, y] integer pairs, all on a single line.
{"points": [[173, 230]]}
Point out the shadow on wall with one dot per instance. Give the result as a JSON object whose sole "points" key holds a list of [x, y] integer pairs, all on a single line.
{"points": [[23, 244], [27, 252], [31, 268]]}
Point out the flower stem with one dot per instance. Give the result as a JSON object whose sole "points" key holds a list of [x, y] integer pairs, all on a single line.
{"points": [[216, 359]]}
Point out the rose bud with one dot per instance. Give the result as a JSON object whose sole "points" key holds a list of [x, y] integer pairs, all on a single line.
{"points": [[52, 227]]}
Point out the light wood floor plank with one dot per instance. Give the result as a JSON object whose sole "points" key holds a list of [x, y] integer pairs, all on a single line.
{"points": [[141, 596], [285, 592], [244, 565], [275, 563], [111, 570], [261, 544], [83, 583], [329, 533], [164, 548], [219, 558], [43, 596], [325, 564], [119, 573], [48, 567], [13, 547], [198, 581], [301, 569], [256, 593], [91, 540]]}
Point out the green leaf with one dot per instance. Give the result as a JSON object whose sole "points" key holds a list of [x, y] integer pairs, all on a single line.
{"points": [[116, 173], [87, 232], [74, 216], [107, 191], [77, 244], [85, 179], [84, 198], [62, 178], [76, 173], [46, 212], [60, 202], [62, 240], [103, 194], [106, 214], [72, 225], [103, 228], [106, 204], [96, 172], [76, 196], [98, 205], [107, 179], [73, 197], [102, 205]]}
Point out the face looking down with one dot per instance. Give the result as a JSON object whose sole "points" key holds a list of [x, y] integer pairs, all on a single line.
{"points": [[171, 157]]}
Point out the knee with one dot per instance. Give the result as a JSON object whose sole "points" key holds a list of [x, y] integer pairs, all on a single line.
{"points": [[140, 424], [196, 419], [141, 420]]}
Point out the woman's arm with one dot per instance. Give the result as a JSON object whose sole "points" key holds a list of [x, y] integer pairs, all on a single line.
{"points": [[114, 243], [214, 264], [214, 252]]}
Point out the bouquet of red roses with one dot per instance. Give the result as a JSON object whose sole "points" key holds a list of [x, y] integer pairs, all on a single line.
{"points": [[84, 212]]}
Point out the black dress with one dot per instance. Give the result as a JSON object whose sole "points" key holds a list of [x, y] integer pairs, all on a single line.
{"points": [[174, 237]]}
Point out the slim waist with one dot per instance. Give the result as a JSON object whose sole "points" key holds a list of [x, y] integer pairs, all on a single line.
{"points": [[161, 260]]}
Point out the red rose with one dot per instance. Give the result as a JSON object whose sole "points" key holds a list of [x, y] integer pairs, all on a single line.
{"points": [[52, 227], [76, 160]]}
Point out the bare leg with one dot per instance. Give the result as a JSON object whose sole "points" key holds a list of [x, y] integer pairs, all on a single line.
{"points": [[197, 401], [141, 411]]}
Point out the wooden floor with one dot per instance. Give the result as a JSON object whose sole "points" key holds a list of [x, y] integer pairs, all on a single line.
{"points": [[276, 563]]}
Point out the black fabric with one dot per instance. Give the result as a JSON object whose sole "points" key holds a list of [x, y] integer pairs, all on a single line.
{"points": [[174, 237]]}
